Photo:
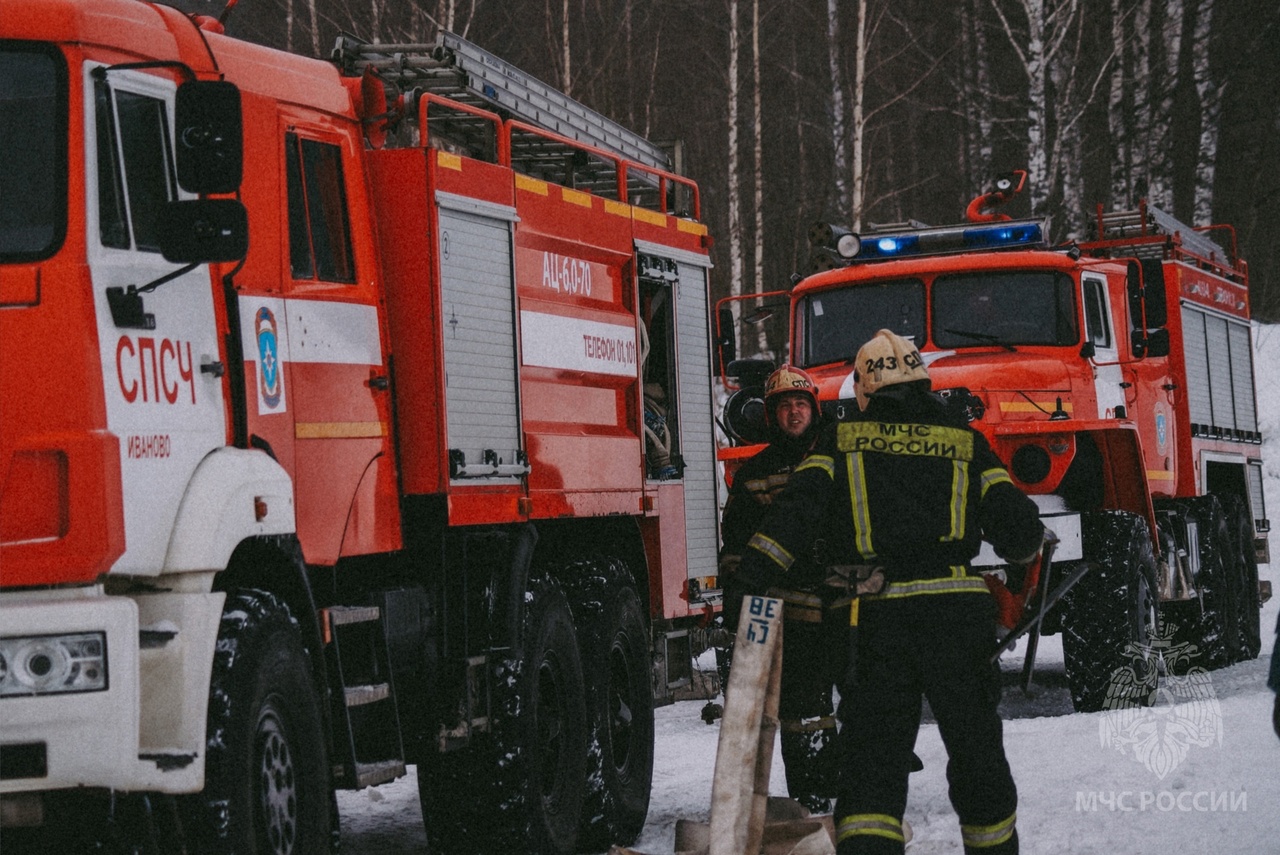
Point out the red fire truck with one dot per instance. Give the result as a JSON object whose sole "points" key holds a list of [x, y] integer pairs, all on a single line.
{"points": [[1114, 378], [397, 451]]}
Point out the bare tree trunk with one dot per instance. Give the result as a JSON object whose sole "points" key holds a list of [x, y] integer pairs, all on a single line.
{"points": [[1209, 91], [838, 133], [375, 21], [757, 167], [315, 28], [733, 187], [1037, 113], [859, 96], [288, 26], [976, 98], [564, 37], [1118, 111], [1160, 187]]}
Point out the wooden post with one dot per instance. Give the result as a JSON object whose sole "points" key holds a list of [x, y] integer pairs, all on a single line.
{"points": [[744, 755]]}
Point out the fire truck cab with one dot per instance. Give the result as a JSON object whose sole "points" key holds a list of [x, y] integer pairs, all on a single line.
{"points": [[1114, 378]]}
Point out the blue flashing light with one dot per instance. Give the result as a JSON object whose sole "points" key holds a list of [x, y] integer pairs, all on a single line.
{"points": [[1003, 235], [891, 246]]}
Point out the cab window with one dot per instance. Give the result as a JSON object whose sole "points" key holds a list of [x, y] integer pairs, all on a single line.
{"points": [[33, 146], [319, 230], [136, 178], [1095, 313]]}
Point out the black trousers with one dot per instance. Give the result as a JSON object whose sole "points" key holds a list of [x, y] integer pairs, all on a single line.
{"points": [[933, 646], [814, 639]]}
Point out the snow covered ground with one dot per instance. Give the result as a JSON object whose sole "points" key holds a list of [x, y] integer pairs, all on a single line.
{"points": [[1083, 789]]}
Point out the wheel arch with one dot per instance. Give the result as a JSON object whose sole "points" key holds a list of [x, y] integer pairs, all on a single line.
{"points": [[275, 564], [234, 494]]}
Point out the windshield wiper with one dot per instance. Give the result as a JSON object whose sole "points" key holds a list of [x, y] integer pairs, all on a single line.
{"points": [[983, 337]]}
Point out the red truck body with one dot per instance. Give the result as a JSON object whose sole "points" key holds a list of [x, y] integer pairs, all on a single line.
{"points": [[448, 418]]}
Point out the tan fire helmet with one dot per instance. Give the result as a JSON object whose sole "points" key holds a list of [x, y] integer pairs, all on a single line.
{"points": [[886, 360], [788, 380]]}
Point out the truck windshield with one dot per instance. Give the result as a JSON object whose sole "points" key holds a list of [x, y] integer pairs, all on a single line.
{"points": [[1004, 308], [834, 324], [33, 150]]}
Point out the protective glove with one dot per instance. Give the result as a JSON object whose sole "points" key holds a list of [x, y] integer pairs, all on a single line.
{"points": [[754, 576]]}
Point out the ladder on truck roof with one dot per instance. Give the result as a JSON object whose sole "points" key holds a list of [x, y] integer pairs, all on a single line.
{"points": [[456, 69], [1142, 227]]}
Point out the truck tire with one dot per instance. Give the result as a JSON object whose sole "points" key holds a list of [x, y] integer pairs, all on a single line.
{"points": [[1203, 632], [1243, 561], [614, 643], [1109, 618], [266, 772], [521, 787]]}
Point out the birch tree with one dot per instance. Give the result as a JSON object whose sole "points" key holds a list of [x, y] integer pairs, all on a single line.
{"points": [[975, 97], [1209, 92], [757, 167], [838, 131], [733, 184], [857, 197]]}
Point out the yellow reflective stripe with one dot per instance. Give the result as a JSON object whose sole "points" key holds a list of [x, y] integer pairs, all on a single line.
{"points": [[992, 477], [959, 495], [942, 585], [985, 836], [860, 505], [810, 725], [760, 488], [877, 824], [773, 549], [906, 439], [819, 461]]}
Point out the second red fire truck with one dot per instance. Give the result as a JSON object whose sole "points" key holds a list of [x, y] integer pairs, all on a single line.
{"points": [[1113, 377]]}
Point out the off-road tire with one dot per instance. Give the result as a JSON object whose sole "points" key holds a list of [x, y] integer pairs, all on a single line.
{"points": [[1243, 566], [523, 784], [613, 640], [1110, 615], [1203, 632], [266, 771]]}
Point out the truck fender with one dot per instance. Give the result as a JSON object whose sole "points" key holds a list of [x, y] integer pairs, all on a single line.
{"points": [[233, 495]]}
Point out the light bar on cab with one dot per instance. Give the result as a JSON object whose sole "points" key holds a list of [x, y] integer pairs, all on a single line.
{"points": [[1009, 234]]}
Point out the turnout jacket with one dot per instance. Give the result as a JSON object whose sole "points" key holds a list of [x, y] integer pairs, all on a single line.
{"points": [[906, 487], [755, 485]]}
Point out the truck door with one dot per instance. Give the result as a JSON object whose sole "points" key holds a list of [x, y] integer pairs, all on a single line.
{"points": [[1101, 331], [166, 411], [334, 380]]}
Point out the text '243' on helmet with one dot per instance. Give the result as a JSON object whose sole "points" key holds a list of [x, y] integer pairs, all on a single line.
{"points": [[886, 360], [788, 379]]}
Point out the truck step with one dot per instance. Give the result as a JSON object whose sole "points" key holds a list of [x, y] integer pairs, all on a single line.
{"points": [[360, 695], [347, 615], [380, 772]]}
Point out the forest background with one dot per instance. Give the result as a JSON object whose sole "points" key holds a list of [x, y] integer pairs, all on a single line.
{"points": [[788, 112]]}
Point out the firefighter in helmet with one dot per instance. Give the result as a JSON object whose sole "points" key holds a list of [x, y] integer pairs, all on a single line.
{"points": [[910, 489], [814, 622]]}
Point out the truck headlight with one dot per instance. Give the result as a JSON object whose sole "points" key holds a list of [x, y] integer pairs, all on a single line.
{"points": [[53, 664]]}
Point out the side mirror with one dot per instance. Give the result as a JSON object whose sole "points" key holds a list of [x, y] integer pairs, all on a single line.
{"points": [[210, 137], [1088, 350], [726, 350], [204, 230], [1158, 342]]}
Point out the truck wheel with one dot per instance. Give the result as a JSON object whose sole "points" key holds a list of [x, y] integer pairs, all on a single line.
{"points": [[1243, 563], [266, 772], [1203, 631], [521, 787], [1109, 617], [613, 640]]}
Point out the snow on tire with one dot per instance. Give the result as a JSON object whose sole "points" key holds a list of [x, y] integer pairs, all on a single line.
{"points": [[1109, 617], [613, 640], [266, 772]]}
